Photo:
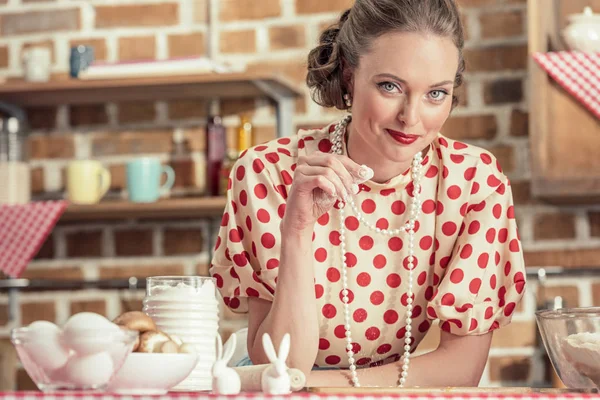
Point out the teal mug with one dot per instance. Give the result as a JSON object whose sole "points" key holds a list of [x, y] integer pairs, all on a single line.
{"points": [[143, 179]]}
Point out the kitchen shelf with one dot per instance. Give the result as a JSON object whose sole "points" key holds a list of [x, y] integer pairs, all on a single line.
{"points": [[163, 209], [564, 135], [208, 86]]}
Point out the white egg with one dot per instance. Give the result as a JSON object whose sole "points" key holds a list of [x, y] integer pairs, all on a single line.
{"points": [[95, 369], [89, 333], [43, 345]]}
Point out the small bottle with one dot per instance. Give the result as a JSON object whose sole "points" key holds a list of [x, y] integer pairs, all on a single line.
{"points": [[244, 141], [215, 153]]}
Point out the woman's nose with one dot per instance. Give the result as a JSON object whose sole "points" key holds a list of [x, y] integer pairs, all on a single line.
{"points": [[409, 114]]}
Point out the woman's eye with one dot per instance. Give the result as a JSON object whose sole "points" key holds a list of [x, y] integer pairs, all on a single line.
{"points": [[438, 95], [388, 86]]}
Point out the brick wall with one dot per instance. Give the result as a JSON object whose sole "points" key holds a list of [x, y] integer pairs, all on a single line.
{"points": [[272, 35]]}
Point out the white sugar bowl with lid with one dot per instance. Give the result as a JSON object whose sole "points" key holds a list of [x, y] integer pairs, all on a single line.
{"points": [[583, 31]]}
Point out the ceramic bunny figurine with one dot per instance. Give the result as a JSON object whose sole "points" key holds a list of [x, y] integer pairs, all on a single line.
{"points": [[275, 379], [225, 380]]}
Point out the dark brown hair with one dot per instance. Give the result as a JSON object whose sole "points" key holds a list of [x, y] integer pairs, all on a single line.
{"points": [[342, 44]]}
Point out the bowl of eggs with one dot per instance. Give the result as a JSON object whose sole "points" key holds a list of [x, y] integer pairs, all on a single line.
{"points": [[85, 354]]}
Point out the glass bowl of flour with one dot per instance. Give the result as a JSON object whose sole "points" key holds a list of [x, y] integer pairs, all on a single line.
{"points": [[572, 339]]}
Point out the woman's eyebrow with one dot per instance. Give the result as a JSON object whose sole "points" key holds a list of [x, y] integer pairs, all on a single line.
{"points": [[386, 75]]}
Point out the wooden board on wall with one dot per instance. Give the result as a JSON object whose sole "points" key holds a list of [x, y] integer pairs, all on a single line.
{"points": [[565, 136]]}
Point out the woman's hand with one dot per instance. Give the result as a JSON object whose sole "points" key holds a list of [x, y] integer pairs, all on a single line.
{"points": [[319, 181]]}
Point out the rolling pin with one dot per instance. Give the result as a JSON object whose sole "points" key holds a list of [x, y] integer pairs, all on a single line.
{"points": [[250, 376]]}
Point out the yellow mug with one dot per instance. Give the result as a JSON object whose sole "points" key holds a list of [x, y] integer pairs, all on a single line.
{"points": [[87, 181]]}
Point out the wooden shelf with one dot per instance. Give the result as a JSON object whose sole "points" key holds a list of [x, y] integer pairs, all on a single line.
{"points": [[76, 91], [162, 209], [564, 135]]}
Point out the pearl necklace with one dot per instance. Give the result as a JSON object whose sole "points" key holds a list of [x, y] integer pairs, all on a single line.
{"points": [[415, 209]]}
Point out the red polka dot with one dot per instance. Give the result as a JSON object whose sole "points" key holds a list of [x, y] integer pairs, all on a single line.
{"points": [[384, 348], [497, 211], [260, 148], [474, 227], [335, 238], [236, 235], [428, 206], [351, 223], [323, 219], [258, 166], [340, 332], [503, 235], [404, 299], [319, 290], [372, 333], [492, 181], [493, 281], [510, 213], [363, 361], [424, 326], [426, 242], [263, 216], [486, 158], [366, 242], [470, 173], [457, 276], [489, 313], [324, 344], [475, 188], [444, 261], [332, 360], [325, 145], [281, 210], [387, 192], [273, 158], [475, 285], [432, 171], [321, 254], [390, 317], [329, 311], [363, 279], [234, 303], [448, 299], [350, 260], [473, 325], [463, 209], [482, 260], [377, 298], [350, 296], [454, 192], [519, 281], [449, 228], [398, 207], [379, 261], [466, 251], [393, 280], [268, 240], [368, 206], [284, 151], [508, 310], [457, 158], [251, 292], [240, 172], [514, 245], [382, 223], [240, 260], [333, 275], [360, 315], [249, 223], [395, 244], [260, 191], [422, 278], [490, 235]]}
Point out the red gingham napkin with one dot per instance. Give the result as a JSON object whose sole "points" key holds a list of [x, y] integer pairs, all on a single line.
{"points": [[23, 230], [577, 72]]}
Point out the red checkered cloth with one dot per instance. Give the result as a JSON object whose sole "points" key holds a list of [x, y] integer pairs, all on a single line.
{"points": [[577, 72], [23, 230]]}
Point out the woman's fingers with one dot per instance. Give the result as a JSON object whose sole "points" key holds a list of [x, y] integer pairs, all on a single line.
{"points": [[324, 178], [348, 171]]}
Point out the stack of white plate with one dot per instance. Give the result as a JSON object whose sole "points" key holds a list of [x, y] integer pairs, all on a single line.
{"points": [[195, 320]]}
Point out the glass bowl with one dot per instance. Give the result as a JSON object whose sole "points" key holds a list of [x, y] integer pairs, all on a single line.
{"points": [[572, 340], [53, 363]]}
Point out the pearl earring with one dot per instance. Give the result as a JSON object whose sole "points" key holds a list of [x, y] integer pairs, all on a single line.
{"points": [[348, 100]]}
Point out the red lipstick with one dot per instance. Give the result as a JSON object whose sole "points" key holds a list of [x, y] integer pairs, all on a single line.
{"points": [[402, 137]]}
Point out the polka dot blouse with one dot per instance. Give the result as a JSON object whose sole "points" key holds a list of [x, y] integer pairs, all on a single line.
{"points": [[469, 270]]}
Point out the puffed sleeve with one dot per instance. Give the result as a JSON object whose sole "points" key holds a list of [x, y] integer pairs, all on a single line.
{"points": [[246, 254], [485, 278]]}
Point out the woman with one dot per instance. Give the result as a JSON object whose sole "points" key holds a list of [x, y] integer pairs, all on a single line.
{"points": [[426, 231]]}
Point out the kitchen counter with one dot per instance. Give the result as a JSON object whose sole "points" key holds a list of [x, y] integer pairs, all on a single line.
{"points": [[328, 394]]}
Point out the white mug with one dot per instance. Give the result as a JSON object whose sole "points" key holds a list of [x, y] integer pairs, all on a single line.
{"points": [[37, 62]]}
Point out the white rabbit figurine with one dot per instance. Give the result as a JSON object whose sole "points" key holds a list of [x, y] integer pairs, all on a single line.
{"points": [[275, 379], [225, 380]]}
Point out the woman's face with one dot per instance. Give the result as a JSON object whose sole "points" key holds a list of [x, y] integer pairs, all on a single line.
{"points": [[401, 95]]}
